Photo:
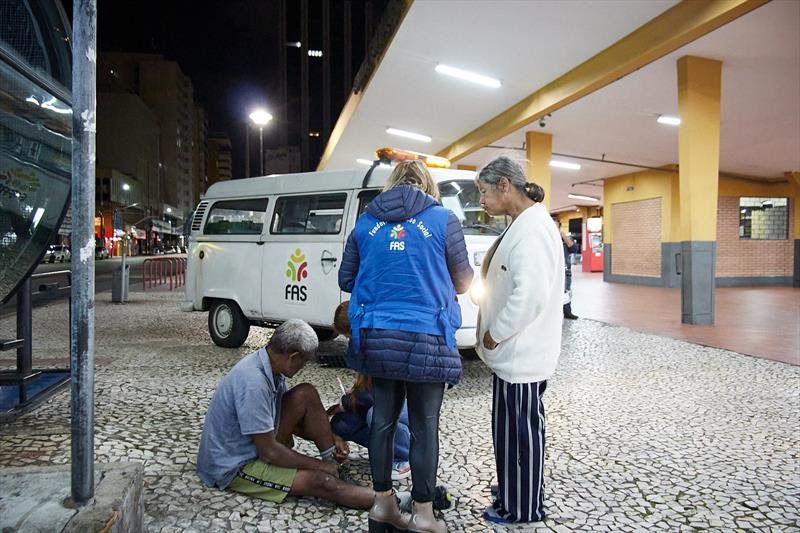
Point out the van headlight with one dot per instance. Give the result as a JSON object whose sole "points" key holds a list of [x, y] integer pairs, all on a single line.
{"points": [[477, 258], [477, 290]]}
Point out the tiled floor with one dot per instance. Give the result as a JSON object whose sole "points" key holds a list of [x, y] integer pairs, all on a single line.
{"points": [[759, 321], [644, 433]]}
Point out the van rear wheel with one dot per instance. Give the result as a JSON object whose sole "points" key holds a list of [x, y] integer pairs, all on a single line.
{"points": [[227, 324]]}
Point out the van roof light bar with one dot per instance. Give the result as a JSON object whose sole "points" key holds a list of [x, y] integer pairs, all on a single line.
{"points": [[393, 154]]}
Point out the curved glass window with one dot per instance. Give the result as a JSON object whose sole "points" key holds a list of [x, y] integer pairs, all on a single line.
{"points": [[34, 33], [35, 150]]}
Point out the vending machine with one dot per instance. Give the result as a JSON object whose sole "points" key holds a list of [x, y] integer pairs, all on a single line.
{"points": [[592, 246]]}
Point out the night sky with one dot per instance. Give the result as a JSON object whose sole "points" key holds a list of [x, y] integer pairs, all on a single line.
{"points": [[229, 49]]}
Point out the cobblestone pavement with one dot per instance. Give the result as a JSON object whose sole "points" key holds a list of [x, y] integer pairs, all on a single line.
{"points": [[644, 432]]}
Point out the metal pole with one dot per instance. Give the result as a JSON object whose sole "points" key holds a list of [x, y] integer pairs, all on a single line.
{"points": [[304, 89], [283, 115], [247, 149], [261, 149], [24, 328], [84, 127], [326, 70], [348, 49]]}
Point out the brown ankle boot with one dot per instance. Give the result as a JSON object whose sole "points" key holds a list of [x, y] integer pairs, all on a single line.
{"points": [[424, 521], [385, 515]]}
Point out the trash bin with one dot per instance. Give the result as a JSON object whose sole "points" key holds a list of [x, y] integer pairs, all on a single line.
{"points": [[120, 283]]}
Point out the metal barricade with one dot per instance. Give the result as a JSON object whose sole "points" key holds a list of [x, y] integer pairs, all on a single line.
{"points": [[158, 271]]}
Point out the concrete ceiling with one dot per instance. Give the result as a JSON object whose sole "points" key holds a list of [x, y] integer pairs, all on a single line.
{"points": [[528, 44]]}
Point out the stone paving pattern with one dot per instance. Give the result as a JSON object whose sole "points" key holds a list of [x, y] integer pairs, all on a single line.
{"points": [[644, 432]]}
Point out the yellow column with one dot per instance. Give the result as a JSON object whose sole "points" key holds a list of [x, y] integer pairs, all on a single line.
{"points": [[699, 84], [794, 181], [698, 146], [539, 150]]}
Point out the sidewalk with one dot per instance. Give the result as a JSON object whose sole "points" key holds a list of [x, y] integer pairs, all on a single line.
{"points": [[758, 321], [644, 432]]}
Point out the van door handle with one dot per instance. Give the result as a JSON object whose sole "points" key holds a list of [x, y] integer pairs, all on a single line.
{"points": [[328, 259], [260, 243]]}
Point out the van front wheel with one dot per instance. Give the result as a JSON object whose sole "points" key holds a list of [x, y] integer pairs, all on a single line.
{"points": [[227, 324], [325, 334]]}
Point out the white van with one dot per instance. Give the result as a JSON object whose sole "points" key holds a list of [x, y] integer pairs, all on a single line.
{"points": [[264, 250]]}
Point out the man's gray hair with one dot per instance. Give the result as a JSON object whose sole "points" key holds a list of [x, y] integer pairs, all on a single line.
{"points": [[294, 335]]}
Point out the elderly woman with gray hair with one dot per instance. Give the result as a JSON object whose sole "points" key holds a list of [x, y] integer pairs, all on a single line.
{"points": [[519, 334]]}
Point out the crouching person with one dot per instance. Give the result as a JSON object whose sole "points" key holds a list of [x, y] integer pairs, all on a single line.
{"points": [[247, 438]]}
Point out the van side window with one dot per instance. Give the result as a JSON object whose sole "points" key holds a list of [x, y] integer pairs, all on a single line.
{"points": [[365, 197], [236, 217], [315, 214]]}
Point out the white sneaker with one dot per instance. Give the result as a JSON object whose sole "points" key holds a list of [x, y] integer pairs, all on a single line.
{"points": [[401, 470]]}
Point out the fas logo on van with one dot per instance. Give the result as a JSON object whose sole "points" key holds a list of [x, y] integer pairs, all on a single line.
{"points": [[297, 271]]}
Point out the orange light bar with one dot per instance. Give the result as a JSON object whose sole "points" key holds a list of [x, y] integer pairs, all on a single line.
{"points": [[393, 154]]}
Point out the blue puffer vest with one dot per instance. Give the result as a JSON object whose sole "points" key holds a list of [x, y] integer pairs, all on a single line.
{"points": [[403, 309]]}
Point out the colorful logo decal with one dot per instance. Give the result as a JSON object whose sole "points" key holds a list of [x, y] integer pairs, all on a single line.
{"points": [[398, 232], [297, 264]]}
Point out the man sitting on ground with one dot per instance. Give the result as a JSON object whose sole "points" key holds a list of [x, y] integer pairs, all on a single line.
{"points": [[247, 438]]}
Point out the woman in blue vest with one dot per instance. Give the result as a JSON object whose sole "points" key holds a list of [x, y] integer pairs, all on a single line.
{"points": [[403, 264]]}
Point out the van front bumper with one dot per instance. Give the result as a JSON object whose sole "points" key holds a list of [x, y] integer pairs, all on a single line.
{"points": [[187, 307], [465, 338]]}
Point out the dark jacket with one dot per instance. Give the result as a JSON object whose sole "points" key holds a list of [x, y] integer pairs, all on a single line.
{"points": [[405, 355]]}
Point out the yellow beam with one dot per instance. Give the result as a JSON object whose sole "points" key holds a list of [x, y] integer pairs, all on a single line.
{"points": [[539, 150], [669, 31]]}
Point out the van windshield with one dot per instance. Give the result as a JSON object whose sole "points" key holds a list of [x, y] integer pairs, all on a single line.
{"points": [[462, 198]]}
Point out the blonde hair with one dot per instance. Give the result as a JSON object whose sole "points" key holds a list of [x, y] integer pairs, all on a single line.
{"points": [[413, 173]]}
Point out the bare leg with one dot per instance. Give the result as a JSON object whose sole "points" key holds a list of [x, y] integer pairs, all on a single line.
{"points": [[321, 485], [303, 414]]}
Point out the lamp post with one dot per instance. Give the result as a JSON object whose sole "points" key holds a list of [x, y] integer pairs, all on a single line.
{"points": [[260, 118]]}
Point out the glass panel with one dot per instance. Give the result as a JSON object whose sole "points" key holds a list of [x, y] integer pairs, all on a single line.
{"points": [[321, 215], [35, 32], [365, 197], [463, 198], [763, 218], [35, 170], [237, 217]]}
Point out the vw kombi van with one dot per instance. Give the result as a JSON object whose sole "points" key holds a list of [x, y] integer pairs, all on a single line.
{"points": [[264, 250]]}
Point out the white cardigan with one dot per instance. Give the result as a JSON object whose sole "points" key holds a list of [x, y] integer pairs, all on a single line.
{"points": [[522, 303]]}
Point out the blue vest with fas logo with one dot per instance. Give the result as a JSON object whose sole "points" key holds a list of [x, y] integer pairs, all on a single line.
{"points": [[403, 283]]}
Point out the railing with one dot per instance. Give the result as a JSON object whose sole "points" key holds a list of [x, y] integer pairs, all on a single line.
{"points": [[158, 271]]}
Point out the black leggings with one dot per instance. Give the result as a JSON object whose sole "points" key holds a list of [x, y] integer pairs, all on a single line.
{"points": [[424, 403]]}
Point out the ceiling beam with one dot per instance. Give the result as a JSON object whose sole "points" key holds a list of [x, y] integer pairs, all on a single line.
{"points": [[676, 27]]}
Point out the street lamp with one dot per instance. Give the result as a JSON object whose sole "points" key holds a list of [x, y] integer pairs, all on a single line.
{"points": [[260, 118]]}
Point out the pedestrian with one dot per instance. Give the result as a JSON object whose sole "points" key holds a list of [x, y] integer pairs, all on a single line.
{"points": [[352, 416], [570, 247], [519, 335], [248, 434], [403, 264]]}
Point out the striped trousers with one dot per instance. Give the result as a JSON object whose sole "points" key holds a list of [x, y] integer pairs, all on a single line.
{"points": [[518, 435]]}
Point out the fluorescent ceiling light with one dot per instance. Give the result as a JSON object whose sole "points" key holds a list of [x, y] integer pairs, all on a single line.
{"points": [[564, 164], [466, 75], [362, 161], [408, 135], [670, 121], [582, 197]]}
